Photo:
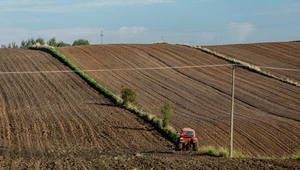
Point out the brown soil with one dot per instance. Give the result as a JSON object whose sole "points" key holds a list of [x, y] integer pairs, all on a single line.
{"points": [[159, 160], [56, 114], [267, 111], [56, 121], [282, 55]]}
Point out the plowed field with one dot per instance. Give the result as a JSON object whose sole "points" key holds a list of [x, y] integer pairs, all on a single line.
{"points": [[267, 111], [54, 114], [281, 55], [53, 120]]}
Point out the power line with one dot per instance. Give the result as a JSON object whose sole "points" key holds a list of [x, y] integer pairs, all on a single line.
{"points": [[121, 69], [143, 68]]}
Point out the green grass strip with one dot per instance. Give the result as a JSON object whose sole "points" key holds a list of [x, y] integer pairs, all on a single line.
{"points": [[243, 64], [168, 132]]}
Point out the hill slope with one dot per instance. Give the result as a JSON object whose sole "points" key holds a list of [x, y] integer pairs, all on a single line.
{"points": [[52, 114], [282, 55], [267, 111]]}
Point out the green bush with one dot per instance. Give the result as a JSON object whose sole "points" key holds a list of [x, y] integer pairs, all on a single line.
{"points": [[212, 151], [81, 42], [166, 113], [62, 44], [296, 157], [128, 95]]}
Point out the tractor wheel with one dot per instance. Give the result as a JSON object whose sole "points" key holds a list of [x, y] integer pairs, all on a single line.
{"points": [[188, 146], [178, 146], [195, 146]]}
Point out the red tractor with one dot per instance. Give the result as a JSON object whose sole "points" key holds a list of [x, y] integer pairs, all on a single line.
{"points": [[187, 140]]}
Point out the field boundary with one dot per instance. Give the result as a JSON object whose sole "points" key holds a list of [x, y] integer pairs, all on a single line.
{"points": [[243, 64], [168, 132]]}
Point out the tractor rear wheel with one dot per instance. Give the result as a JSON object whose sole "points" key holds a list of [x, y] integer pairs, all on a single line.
{"points": [[195, 146], [188, 146]]}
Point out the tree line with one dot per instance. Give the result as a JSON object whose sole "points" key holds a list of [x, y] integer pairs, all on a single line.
{"points": [[52, 42]]}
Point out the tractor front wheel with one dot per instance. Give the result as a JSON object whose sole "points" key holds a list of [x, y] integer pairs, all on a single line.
{"points": [[179, 146]]}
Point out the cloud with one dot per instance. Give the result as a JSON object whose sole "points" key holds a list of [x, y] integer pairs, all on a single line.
{"points": [[294, 8], [66, 6], [26, 21], [119, 2], [131, 30], [241, 30]]}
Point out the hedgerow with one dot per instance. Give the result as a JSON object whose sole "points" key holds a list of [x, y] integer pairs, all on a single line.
{"points": [[243, 64]]}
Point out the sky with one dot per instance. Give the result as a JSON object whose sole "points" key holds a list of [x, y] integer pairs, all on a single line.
{"points": [[196, 22]]}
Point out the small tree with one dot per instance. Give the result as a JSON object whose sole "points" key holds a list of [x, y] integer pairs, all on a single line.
{"points": [[30, 42], [166, 113], [23, 44], [128, 95], [81, 42], [52, 42], [9, 45], [14, 45]]}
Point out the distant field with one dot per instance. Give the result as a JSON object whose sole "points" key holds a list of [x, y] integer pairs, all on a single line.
{"points": [[281, 55], [267, 111]]}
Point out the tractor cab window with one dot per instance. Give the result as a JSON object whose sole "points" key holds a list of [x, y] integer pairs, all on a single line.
{"points": [[189, 134]]}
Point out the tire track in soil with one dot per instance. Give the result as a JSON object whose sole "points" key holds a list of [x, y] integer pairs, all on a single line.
{"points": [[36, 67], [72, 112], [23, 94], [36, 100], [86, 122], [15, 124], [5, 130]]}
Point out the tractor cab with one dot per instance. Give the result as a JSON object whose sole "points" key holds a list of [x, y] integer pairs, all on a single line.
{"points": [[187, 132]]}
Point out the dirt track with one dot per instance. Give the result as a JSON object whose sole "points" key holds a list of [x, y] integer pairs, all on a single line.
{"points": [[146, 161], [267, 111], [282, 55]]}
